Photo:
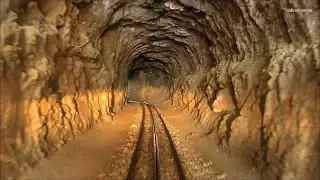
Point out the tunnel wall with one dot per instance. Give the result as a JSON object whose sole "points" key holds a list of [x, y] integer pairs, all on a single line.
{"points": [[271, 118], [264, 107], [53, 84]]}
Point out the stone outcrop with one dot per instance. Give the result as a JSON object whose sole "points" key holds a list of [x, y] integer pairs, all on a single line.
{"points": [[53, 86], [248, 71]]}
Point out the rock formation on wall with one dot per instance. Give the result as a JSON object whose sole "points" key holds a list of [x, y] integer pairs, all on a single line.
{"points": [[247, 70]]}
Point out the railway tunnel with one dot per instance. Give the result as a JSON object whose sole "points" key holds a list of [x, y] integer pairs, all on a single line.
{"points": [[235, 82]]}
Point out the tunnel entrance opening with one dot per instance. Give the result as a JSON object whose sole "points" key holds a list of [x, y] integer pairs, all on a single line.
{"points": [[149, 79]]}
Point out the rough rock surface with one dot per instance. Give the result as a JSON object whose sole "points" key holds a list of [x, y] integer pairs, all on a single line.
{"points": [[247, 70]]}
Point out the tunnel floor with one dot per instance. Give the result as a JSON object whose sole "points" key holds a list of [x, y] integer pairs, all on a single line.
{"points": [[105, 151]]}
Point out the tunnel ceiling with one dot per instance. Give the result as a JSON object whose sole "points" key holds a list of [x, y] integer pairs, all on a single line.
{"points": [[188, 35], [181, 34]]}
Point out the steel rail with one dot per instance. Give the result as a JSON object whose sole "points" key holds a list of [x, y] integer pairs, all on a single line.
{"points": [[134, 158], [156, 156], [173, 149], [156, 174]]}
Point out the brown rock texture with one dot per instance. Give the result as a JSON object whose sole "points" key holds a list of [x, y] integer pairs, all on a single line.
{"points": [[246, 70]]}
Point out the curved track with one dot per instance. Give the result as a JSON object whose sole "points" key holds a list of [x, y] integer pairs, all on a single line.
{"points": [[155, 156]]}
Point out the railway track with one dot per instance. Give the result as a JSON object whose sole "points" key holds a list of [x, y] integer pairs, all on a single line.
{"points": [[155, 156]]}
